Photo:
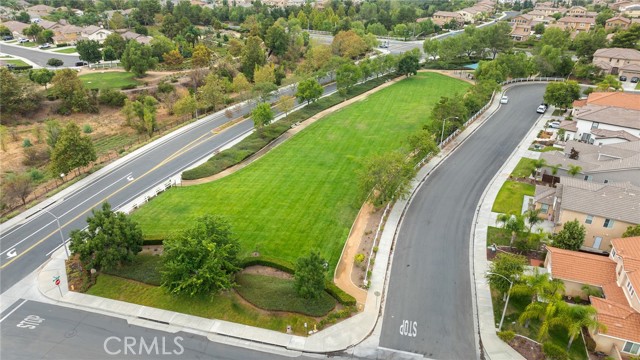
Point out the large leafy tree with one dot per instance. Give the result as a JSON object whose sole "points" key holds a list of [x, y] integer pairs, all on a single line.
{"points": [[348, 44], [386, 177], [277, 39], [310, 275], [252, 56], [19, 95], [309, 90], [262, 115], [111, 238], [67, 86], [422, 143], [211, 94], [138, 58], [116, 42], [571, 236], [497, 38], [562, 94], [409, 64], [346, 77], [41, 76], [141, 114], [201, 259], [508, 265], [89, 50], [72, 150]]}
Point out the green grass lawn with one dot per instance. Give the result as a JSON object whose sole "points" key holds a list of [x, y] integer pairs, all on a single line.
{"points": [[557, 334], [501, 236], [226, 306], [275, 294], [15, 62], [304, 194], [113, 142], [511, 196], [108, 80], [29, 44], [524, 168], [71, 50], [638, 86], [144, 268]]}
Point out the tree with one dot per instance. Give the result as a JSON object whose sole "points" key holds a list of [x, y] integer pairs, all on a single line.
{"points": [[33, 30], [538, 164], [574, 170], [409, 64], [515, 224], [116, 42], [556, 38], [240, 84], [497, 37], [346, 77], [161, 45], [264, 74], [137, 58], [201, 56], [631, 231], [19, 95], [286, 103], [262, 115], [348, 44], [110, 239], [211, 94], [309, 90], [108, 54], [201, 259], [186, 105], [173, 58], [423, 143], [562, 94], [67, 86], [386, 177], [55, 62], [277, 40], [538, 286], [17, 187], [41, 76], [533, 218], [586, 43], [141, 114], [252, 56], [309, 276], [451, 109], [626, 39], [571, 236], [53, 130], [72, 150], [609, 83], [508, 265], [89, 50], [574, 318]]}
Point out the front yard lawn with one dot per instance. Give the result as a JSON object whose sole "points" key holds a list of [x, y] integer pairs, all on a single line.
{"points": [[511, 196], [71, 50], [108, 80], [144, 268], [524, 168], [225, 306], [275, 294], [502, 236], [305, 193], [15, 62]]}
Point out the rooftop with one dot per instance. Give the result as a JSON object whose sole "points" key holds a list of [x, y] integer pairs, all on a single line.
{"points": [[616, 99], [618, 53]]}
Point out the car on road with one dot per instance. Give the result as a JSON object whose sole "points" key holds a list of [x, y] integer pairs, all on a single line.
{"points": [[554, 124], [7, 37], [635, 79], [542, 109], [23, 40], [623, 78], [81, 63], [504, 100], [44, 46]]}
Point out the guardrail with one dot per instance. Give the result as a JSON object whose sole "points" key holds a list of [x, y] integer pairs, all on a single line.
{"points": [[543, 79]]}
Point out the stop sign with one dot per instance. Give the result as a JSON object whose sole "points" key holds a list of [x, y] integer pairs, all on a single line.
{"points": [[57, 282]]}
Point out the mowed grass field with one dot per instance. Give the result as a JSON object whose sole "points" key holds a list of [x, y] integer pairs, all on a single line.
{"points": [[304, 194], [108, 80]]}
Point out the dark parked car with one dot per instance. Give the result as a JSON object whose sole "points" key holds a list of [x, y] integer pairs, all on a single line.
{"points": [[7, 37], [623, 78], [635, 79], [81, 63]]}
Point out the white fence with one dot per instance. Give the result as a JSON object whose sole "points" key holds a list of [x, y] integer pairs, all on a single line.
{"points": [[150, 194]]}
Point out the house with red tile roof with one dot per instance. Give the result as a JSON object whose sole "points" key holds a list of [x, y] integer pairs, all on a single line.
{"points": [[618, 276]]}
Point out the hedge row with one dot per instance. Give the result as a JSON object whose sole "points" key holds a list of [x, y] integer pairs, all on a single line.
{"points": [[259, 139], [331, 288]]}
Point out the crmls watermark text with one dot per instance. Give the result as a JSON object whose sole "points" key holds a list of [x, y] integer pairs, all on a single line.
{"points": [[130, 345]]}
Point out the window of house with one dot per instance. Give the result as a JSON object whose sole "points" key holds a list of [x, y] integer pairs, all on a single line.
{"points": [[595, 125], [613, 253], [589, 219], [631, 348], [588, 178], [608, 223], [630, 288], [544, 208]]}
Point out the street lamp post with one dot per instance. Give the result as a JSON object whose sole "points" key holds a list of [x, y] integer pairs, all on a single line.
{"points": [[504, 311], [59, 230], [443, 123]]}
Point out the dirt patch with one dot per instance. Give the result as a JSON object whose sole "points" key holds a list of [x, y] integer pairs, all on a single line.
{"points": [[152, 249], [266, 271], [464, 75], [527, 348]]}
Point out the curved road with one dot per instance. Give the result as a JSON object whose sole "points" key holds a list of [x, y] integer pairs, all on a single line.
{"points": [[40, 57], [429, 288]]}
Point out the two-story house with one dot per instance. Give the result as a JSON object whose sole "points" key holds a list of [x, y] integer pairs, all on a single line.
{"points": [[618, 277], [575, 25], [580, 12], [618, 61], [445, 17], [605, 210], [620, 22]]}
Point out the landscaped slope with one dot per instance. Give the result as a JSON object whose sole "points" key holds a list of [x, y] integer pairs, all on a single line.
{"points": [[304, 194]]}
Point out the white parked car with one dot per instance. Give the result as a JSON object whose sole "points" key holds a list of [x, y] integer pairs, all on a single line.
{"points": [[554, 124], [504, 100], [44, 46], [23, 40], [542, 109]]}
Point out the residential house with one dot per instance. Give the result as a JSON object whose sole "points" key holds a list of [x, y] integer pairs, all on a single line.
{"points": [[605, 210], [445, 17], [618, 61], [540, 16], [67, 34], [130, 35], [477, 12], [618, 4], [580, 12], [522, 26], [631, 10], [575, 24], [16, 28], [600, 164], [124, 13], [619, 22], [605, 118], [548, 9], [96, 33], [618, 276], [38, 11]]}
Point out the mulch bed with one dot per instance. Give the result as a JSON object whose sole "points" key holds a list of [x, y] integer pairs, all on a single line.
{"points": [[527, 348]]}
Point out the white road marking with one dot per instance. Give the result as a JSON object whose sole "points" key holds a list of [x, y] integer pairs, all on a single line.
{"points": [[12, 253], [12, 311]]}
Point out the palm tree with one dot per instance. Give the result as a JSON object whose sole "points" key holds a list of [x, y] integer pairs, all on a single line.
{"points": [[538, 286], [538, 164], [502, 219], [532, 218], [554, 172], [574, 170], [574, 318], [516, 225]]}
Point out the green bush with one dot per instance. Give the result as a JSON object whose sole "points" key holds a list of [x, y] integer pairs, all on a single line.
{"points": [[554, 352], [268, 261], [87, 129], [112, 97], [35, 175], [26, 143], [338, 294], [129, 87], [359, 258], [506, 335], [333, 317], [165, 88]]}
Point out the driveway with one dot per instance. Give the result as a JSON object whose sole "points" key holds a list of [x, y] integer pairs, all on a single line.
{"points": [[429, 307]]}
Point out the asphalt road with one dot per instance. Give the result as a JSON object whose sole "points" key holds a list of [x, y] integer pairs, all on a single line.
{"points": [[43, 331], [38, 56], [428, 307], [26, 246]]}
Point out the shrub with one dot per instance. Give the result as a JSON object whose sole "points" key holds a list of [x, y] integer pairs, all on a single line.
{"points": [[359, 258], [26, 143], [506, 335], [165, 88], [554, 352], [338, 294], [268, 261], [35, 175], [112, 97], [375, 249], [577, 299], [35, 156], [87, 129], [333, 317], [129, 87]]}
